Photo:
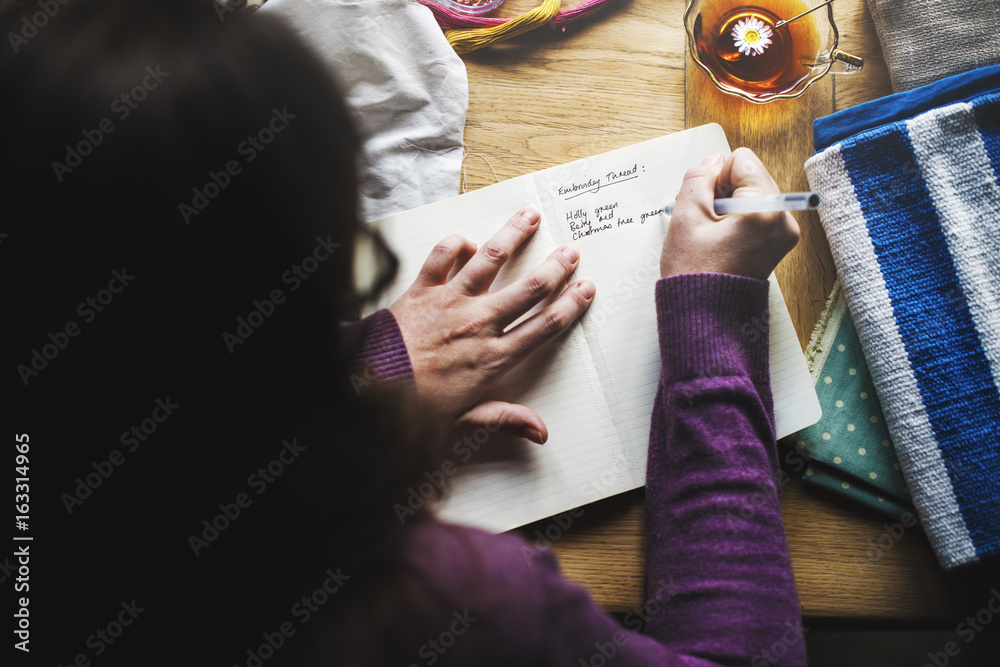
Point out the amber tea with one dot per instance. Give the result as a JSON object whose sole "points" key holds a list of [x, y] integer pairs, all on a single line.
{"points": [[742, 47]]}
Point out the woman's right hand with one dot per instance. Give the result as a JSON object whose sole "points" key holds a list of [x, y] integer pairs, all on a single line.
{"points": [[699, 241]]}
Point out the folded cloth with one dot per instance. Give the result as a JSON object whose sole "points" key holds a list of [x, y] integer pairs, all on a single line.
{"points": [[408, 90], [927, 40], [959, 88], [912, 211], [825, 477], [850, 448]]}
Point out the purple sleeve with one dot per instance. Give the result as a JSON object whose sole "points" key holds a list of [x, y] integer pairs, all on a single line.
{"points": [[719, 585], [714, 533], [381, 353]]}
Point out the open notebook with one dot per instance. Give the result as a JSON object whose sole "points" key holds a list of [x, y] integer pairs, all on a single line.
{"points": [[595, 386]]}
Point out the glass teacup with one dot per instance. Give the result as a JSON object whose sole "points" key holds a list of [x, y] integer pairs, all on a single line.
{"points": [[740, 47]]}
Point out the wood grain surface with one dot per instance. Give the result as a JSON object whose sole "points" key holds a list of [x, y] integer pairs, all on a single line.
{"points": [[623, 76]]}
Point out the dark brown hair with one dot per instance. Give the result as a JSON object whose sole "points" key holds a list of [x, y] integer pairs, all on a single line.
{"points": [[165, 168]]}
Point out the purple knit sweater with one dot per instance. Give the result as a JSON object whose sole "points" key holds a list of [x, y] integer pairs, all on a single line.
{"points": [[719, 585]]}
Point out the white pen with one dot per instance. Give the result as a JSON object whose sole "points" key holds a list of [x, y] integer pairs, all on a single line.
{"points": [[789, 201]]}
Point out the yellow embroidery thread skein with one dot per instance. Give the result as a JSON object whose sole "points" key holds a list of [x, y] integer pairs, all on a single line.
{"points": [[467, 40]]}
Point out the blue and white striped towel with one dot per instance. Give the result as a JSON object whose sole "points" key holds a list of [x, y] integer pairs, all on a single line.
{"points": [[911, 205]]}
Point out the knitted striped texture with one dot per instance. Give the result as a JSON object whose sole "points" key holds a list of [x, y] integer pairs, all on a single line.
{"points": [[912, 211]]}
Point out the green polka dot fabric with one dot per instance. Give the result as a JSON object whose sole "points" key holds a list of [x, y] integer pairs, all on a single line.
{"points": [[849, 450], [820, 475]]}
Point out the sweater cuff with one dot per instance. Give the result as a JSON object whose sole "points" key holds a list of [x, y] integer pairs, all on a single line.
{"points": [[713, 324], [381, 349]]}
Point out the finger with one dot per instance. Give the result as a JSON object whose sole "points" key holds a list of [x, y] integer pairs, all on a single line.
{"points": [[790, 232], [793, 226], [723, 185], [444, 255], [512, 418], [696, 199], [746, 174], [543, 326], [749, 177], [467, 252], [515, 300], [477, 276]]}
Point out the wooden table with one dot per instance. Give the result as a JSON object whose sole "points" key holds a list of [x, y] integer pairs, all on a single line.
{"points": [[624, 76]]}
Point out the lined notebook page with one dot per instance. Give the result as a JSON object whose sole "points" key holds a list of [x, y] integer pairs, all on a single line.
{"points": [[595, 386], [507, 484], [608, 206]]}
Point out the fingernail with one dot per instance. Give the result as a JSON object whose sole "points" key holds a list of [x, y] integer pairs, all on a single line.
{"points": [[531, 215], [713, 159], [587, 288], [533, 434], [571, 253]]}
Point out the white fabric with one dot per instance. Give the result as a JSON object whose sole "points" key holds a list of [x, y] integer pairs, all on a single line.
{"points": [[406, 86]]}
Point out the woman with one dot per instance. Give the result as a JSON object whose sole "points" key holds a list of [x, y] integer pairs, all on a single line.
{"points": [[207, 482]]}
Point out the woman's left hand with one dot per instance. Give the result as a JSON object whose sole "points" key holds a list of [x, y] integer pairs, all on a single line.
{"points": [[454, 327]]}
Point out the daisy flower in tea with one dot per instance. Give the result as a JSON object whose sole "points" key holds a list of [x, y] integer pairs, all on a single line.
{"points": [[752, 36]]}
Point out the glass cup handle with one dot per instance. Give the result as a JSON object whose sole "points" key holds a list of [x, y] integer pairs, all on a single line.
{"points": [[845, 63]]}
